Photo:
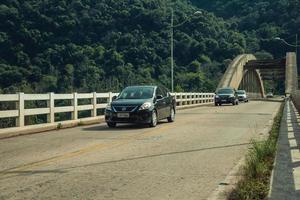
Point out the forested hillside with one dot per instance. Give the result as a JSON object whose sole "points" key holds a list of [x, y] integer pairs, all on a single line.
{"points": [[260, 21], [98, 45], [102, 45]]}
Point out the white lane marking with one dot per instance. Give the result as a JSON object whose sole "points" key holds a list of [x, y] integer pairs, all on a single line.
{"points": [[291, 135], [293, 143]]}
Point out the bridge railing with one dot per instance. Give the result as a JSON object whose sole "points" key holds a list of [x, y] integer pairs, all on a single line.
{"points": [[77, 105]]}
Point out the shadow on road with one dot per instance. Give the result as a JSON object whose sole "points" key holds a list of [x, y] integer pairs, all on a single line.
{"points": [[120, 127]]}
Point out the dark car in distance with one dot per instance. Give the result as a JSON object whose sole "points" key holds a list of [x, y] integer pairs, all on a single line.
{"points": [[226, 96], [142, 105]]}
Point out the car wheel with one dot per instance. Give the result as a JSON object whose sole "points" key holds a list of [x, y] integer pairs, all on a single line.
{"points": [[233, 103], [171, 118], [111, 124], [216, 104], [237, 103], [154, 120]]}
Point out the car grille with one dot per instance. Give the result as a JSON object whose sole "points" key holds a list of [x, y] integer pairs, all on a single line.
{"points": [[124, 108], [224, 97]]}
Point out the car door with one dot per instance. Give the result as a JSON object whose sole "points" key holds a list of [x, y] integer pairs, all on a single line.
{"points": [[160, 103], [168, 101]]}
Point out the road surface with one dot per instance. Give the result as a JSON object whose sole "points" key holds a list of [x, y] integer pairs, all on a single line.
{"points": [[186, 159]]}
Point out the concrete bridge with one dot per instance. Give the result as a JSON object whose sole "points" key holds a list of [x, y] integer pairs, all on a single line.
{"points": [[245, 72], [195, 157]]}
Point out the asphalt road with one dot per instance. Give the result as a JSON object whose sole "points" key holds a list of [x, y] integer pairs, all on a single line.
{"points": [[183, 160]]}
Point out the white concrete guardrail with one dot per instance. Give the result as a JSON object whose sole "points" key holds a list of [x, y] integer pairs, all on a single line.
{"points": [[183, 100]]}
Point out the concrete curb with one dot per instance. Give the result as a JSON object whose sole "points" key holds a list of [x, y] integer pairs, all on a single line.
{"points": [[229, 183], [275, 160], [27, 130], [192, 106]]}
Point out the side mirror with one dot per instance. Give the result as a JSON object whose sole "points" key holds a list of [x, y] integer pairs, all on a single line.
{"points": [[114, 98], [158, 97]]}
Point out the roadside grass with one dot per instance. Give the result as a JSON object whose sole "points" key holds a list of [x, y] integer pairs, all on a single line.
{"points": [[256, 172]]}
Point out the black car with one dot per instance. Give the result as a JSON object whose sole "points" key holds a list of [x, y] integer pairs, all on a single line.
{"points": [[141, 104], [226, 96]]}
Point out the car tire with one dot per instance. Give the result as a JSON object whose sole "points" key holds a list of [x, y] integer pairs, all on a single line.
{"points": [[237, 103], [111, 124], [216, 104], [171, 118], [233, 103], [154, 119]]}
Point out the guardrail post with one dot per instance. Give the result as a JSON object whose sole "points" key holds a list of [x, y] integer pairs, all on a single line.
{"points": [[180, 102], [50, 104], [94, 112], [74, 103], [20, 107], [110, 97]]}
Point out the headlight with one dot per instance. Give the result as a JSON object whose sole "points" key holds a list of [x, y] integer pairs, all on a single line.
{"points": [[217, 96], [231, 95], [108, 106], [145, 106]]}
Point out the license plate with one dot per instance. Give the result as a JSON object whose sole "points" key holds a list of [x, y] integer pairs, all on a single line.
{"points": [[224, 100], [123, 115]]}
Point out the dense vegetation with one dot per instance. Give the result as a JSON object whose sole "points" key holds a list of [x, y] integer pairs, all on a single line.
{"points": [[101, 45], [97, 45], [260, 21]]}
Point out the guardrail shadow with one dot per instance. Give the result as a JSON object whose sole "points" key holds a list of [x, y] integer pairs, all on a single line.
{"points": [[120, 127], [286, 174]]}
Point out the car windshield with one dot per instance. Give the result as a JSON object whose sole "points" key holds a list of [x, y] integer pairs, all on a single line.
{"points": [[241, 92], [137, 93], [225, 91]]}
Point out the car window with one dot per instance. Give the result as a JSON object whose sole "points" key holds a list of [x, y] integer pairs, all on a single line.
{"points": [[225, 91], [163, 91], [159, 92], [137, 93], [166, 92]]}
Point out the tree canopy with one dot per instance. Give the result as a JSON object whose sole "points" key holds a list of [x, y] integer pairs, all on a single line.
{"points": [[102, 45]]}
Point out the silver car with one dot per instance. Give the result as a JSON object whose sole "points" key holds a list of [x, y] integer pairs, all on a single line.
{"points": [[242, 95], [270, 95]]}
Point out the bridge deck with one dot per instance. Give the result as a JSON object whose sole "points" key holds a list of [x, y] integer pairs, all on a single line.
{"points": [[187, 159]]}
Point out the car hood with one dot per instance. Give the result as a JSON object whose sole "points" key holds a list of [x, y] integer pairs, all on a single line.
{"points": [[130, 102]]}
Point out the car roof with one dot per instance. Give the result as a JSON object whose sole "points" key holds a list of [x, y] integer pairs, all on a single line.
{"points": [[153, 86], [226, 88]]}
